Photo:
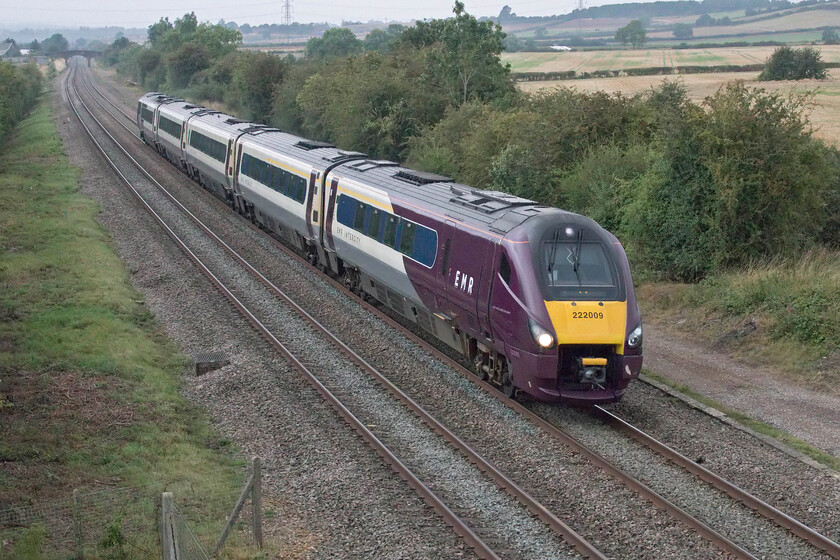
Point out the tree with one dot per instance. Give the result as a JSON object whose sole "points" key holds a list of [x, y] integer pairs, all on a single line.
{"points": [[830, 37], [787, 63], [55, 43], [334, 43], [683, 31], [506, 14], [705, 21], [217, 39], [464, 58], [184, 62], [633, 33], [255, 77], [378, 40]]}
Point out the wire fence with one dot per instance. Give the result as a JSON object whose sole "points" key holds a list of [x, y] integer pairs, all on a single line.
{"points": [[111, 523], [124, 524], [187, 546]]}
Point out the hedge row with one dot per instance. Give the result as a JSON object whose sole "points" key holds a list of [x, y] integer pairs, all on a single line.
{"points": [[20, 87], [650, 71]]}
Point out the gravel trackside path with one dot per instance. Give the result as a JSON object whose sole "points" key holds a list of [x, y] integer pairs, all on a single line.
{"points": [[333, 497], [595, 505]]}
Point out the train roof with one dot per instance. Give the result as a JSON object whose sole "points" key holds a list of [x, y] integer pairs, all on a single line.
{"points": [[312, 152], [493, 211], [222, 123], [181, 108]]}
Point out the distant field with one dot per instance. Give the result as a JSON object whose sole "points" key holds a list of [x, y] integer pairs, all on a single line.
{"points": [[825, 116], [793, 38], [801, 20], [589, 61]]}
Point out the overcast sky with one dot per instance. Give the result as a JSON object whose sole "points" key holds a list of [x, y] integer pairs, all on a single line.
{"points": [[98, 13]]}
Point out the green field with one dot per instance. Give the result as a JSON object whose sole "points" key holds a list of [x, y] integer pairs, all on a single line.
{"points": [[89, 384]]}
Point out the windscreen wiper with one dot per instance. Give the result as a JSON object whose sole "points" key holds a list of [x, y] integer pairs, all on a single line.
{"points": [[576, 264], [553, 252]]}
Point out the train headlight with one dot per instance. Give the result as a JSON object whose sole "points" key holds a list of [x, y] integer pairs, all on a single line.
{"points": [[634, 339], [541, 335]]}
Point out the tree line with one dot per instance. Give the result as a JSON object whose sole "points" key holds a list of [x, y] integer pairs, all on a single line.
{"points": [[690, 188], [20, 87]]}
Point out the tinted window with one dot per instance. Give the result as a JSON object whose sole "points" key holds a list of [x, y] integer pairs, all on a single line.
{"points": [[275, 178], [209, 146], [170, 127], [407, 238], [415, 241], [504, 269], [359, 218], [389, 238], [374, 223]]}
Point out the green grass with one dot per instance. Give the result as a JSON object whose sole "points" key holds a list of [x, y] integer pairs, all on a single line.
{"points": [[89, 384], [757, 426], [784, 314]]}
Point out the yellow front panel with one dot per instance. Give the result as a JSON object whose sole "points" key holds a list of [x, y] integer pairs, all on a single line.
{"points": [[589, 322]]}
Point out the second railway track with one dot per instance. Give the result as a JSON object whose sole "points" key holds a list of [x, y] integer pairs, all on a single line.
{"points": [[597, 532]]}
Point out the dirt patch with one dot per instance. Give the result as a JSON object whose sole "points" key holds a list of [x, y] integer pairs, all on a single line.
{"points": [[45, 424]]}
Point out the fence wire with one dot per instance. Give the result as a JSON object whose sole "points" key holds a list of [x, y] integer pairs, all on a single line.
{"points": [[187, 546], [111, 523]]}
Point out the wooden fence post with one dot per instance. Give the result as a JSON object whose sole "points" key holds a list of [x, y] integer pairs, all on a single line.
{"points": [[77, 525], [256, 502], [166, 538]]}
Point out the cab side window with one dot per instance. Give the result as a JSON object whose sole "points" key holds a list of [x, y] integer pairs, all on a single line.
{"points": [[504, 269]]}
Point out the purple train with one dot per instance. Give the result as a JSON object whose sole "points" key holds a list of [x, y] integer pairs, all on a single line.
{"points": [[539, 299]]}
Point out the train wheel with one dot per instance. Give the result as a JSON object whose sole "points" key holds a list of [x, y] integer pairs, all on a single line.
{"points": [[508, 388]]}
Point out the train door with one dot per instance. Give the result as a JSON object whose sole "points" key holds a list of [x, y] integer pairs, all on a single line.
{"points": [[231, 160], [467, 254], [313, 205]]}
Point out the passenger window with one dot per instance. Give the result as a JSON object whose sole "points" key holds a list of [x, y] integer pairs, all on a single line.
{"points": [[390, 236], [407, 238], [359, 221], [504, 269], [374, 223]]}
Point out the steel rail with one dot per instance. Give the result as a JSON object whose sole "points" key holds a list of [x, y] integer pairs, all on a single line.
{"points": [[105, 97], [450, 518], [720, 541], [779, 517], [499, 478]]}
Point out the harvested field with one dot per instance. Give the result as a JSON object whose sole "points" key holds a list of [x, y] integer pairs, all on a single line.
{"points": [[589, 61], [825, 116], [802, 20]]}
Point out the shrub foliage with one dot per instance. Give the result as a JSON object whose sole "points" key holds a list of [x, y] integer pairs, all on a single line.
{"points": [[788, 63], [690, 188]]}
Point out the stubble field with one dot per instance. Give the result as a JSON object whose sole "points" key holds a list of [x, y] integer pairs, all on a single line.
{"points": [[825, 114], [589, 61]]}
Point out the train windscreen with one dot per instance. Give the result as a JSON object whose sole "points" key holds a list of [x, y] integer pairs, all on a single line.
{"points": [[578, 268]]}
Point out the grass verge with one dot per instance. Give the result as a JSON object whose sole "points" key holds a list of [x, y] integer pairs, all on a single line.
{"points": [[781, 314], [89, 384], [755, 425]]}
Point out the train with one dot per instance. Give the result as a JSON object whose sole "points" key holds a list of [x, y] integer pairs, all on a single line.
{"points": [[539, 300]]}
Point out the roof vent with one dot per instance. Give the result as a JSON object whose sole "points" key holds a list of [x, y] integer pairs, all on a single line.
{"points": [[234, 120], [487, 201], [343, 155], [369, 164], [420, 177], [313, 145]]}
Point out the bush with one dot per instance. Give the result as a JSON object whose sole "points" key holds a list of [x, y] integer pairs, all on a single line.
{"points": [[787, 63], [20, 87], [739, 181]]}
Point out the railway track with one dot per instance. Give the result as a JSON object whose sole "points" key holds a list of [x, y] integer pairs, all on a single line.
{"points": [[541, 511], [305, 365]]}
